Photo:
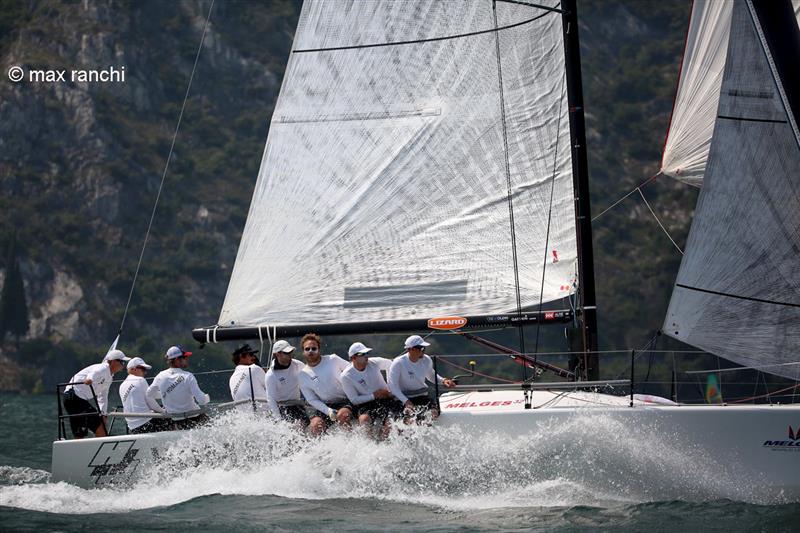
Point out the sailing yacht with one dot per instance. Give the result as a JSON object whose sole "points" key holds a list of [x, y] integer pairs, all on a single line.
{"points": [[426, 170]]}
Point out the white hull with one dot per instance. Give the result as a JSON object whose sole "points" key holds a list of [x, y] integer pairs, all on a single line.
{"points": [[748, 445]]}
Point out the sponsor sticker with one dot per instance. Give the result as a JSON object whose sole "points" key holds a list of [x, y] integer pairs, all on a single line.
{"points": [[447, 322]]}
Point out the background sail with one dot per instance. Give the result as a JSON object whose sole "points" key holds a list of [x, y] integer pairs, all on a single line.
{"points": [[383, 191], [695, 110], [738, 290]]}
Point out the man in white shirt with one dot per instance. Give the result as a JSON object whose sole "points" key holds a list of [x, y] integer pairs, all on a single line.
{"points": [[366, 389], [247, 380], [408, 375], [133, 392], [89, 387], [320, 383], [178, 390], [283, 386]]}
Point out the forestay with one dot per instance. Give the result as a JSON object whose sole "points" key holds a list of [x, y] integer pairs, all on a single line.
{"points": [[387, 185], [695, 109], [738, 290]]}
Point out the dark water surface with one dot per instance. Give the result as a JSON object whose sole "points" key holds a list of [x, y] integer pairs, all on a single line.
{"points": [[265, 477]]}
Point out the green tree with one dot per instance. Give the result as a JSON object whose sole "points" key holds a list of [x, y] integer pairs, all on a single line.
{"points": [[13, 306]]}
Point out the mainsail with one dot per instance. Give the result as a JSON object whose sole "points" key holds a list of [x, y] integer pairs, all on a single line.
{"points": [[418, 164], [738, 289]]}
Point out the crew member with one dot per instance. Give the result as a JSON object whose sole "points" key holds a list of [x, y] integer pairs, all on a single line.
{"points": [[321, 385], [90, 386], [178, 390], [408, 375], [247, 380], [366, 389], [133, 393], [283, 386]]}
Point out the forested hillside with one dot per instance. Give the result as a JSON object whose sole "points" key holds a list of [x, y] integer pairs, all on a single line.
{"points": [[81, 163]]}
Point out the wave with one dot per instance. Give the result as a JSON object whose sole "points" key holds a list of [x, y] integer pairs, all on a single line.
{"points": [[587, 461]]}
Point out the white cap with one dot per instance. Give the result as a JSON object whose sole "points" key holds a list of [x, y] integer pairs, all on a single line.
{"points": [[282, 346], [358, 348], [415, 340], [115, 355], [177, 351], [138, 361]]}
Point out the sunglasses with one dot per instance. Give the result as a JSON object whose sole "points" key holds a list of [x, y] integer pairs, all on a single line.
{"points": [[310, 349]]}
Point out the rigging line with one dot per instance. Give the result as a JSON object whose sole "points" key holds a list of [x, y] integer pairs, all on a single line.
{"points": [[612, 206], [646, 348], [736, 369], [418, 41], [538, 6], [742, 400], [749, 299], [550, 212], [166, 167], [508, 185], [487, 376], [659, 222]]}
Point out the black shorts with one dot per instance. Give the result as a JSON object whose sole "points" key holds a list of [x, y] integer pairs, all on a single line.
{"points": [[379, 409], [333, 405], [154, 425], [81, 425], [294, 413], [189, 423], [423, 404]]}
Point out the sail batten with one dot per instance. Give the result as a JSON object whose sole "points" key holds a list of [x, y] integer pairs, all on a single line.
{"points": [[738, 289], [383, 195]]}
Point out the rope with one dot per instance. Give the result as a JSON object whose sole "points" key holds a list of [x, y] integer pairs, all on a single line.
{"points": [[659, 222], [509, 185], [549, 215], [166, 167], [615, 204], [487, 376], [767, 395]]}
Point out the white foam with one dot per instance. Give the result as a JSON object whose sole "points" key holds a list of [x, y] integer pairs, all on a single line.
{"points": [[590, 460]]}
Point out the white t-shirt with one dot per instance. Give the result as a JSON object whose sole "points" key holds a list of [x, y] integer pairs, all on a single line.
{"points": [[100, 374], [360, 385], [133, 393], [406, 377], [322, 383], [178, 391], [240, 381], [283, 385]]}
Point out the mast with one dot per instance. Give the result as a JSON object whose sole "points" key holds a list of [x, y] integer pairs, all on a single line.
{"points": [[588, 367]]}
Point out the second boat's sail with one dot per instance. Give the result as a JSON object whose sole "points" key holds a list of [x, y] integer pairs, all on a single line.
{"points": [[738, 290]]}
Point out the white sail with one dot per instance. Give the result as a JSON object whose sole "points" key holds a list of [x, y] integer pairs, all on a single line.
{"points": [[738, 290], [383, 191], [695, 109]]}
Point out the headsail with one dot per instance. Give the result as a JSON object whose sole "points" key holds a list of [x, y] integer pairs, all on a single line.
{"points": [[399, 181], [738, 290], [695, 110]]}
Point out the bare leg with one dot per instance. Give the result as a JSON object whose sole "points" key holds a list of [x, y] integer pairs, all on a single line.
{"points": [[317, 426], [344, 416]]}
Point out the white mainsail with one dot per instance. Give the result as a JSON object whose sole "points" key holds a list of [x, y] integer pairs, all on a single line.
{"points": [[738, 289], [383, 191], [695, 109]]}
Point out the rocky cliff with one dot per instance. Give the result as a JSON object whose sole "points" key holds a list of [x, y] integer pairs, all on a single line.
{"points": [[81, 162]]}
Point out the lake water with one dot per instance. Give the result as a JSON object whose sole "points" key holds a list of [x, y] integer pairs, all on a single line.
{"points": [[256, 475]]}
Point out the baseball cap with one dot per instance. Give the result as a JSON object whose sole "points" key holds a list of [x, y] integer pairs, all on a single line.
{"points": [[415, 340], [115, 355], [282, 346], [358, 348], [138, 361], [177, 351], [243, 349]]}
